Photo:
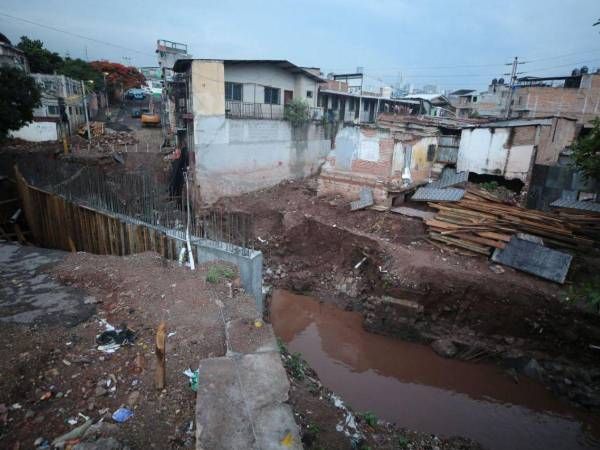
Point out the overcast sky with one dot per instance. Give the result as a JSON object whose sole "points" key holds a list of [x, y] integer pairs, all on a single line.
{"points": [[455, 44]]}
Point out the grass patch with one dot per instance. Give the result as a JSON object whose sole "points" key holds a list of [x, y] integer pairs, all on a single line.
{"points": [[586, 293], [216, 273], [370, 418]]}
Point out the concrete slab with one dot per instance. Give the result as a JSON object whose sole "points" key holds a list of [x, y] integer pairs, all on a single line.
{"points": [[28, 295], [264, 379], [244, 337], [241, 404], [221, 418], [276, 428]]}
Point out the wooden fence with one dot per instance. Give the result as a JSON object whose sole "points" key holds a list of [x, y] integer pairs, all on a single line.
{"points": [[56, 223]]}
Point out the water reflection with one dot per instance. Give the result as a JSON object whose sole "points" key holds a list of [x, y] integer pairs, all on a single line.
{"points": [[409, 384]]}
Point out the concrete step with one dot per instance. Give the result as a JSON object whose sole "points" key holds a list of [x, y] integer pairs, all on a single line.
{"points": [[241, 404]]}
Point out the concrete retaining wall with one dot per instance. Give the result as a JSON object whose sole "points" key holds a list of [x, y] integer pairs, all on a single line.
{"points": [[235, 156]]}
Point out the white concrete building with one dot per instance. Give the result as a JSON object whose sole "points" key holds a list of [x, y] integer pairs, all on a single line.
{"points": [[232, 114]]}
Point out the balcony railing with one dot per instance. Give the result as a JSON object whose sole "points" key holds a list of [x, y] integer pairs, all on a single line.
{"points": [[245, 110]]}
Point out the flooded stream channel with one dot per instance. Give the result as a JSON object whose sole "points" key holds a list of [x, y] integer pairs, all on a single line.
{"points": [[409, 384]]}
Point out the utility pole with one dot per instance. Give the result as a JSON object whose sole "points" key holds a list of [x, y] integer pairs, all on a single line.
{"points": [[513, 80], [87, 119]]}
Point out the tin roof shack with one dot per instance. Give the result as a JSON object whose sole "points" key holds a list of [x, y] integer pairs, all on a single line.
{"points": [[510, 148], [232, 114], [399, 152]]}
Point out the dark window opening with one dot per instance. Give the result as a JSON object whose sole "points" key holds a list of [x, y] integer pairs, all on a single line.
{"points": [[53, 110], [233, 91], [366, 106], [351, 104], [335, 103], [271, 96], [474, 99], [431, 152], [309, 94]]}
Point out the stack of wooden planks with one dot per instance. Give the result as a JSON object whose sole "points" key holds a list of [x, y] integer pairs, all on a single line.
{"points": [[481, 222]]}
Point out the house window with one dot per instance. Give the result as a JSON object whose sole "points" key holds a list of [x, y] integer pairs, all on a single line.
{"points": [[474, 99], [351, 104], [366, 106], [53, 110], [309, 94], [233, 91], [272, 96], [334, 103], [430, 152]]}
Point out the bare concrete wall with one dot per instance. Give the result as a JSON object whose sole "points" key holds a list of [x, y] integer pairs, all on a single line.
{"points": [[235, 156]]}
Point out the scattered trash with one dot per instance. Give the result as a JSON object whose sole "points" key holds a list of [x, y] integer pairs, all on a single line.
{"points": [[262, 241], [72, 421], [15, 406], [171, 334], [258, 323], [360, 263], [288, 440], [46, 395], [193, 378], [496, 268], [112, 339], [72, 435], [122, 415]]}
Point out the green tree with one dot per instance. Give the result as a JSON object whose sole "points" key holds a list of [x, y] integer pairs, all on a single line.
{"points": [[78, 69], [19, 95], [586, 152], [41, 60]]}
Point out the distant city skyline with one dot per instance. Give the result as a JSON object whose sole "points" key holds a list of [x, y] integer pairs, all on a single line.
{"points": [[419, 42]]}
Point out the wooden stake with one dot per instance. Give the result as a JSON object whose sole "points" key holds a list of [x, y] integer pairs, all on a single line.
{"points": [[161, 334]]}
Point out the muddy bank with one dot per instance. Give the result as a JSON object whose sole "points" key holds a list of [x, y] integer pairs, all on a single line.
{"points": [[361, 260], [410, 385]]}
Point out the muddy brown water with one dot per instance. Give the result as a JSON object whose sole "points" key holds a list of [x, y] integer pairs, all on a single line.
{"points": [[409, 384]]}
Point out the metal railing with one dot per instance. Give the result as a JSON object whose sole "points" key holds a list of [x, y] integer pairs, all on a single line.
{"points": [[245, 110]]}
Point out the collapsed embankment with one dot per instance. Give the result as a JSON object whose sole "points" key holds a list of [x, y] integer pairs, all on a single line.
{"points": [[382, 264]]}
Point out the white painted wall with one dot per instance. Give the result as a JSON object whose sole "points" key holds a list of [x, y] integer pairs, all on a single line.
{"points": [[235, 156], [37, 132], [256, 76], [485, 152]]}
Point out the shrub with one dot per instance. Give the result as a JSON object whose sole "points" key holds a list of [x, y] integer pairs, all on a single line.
{"points": [[297, 112]]}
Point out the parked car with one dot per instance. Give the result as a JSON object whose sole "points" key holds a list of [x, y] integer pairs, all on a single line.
{"points": [[136, 113], [135, 94]]}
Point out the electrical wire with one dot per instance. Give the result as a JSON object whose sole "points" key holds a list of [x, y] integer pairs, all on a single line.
{"points": [[98, 41]]}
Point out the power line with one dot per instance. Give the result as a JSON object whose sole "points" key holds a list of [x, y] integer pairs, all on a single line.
{"points": [[98, 41], [562, 65]]}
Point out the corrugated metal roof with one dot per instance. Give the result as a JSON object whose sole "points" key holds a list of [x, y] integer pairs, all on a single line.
{"points": [[575, 204], [513, 123], [181, 65], [427, 194], [449, 178]]}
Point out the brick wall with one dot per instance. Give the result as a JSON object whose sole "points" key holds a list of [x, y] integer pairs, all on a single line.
{"points": [[582, 104]]}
